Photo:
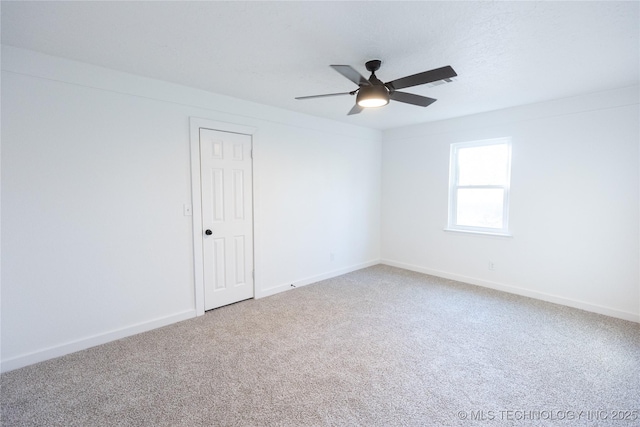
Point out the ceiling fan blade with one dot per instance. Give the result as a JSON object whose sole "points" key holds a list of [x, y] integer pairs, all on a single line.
{"points": [[351, 74], [443, 73], [355, 110], [410, 98], [322, 96]]}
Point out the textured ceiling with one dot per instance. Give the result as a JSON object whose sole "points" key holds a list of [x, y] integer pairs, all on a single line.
{"points": [[505, 53]]}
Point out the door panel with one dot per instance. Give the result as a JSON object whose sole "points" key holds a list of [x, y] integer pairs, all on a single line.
{"points": [[226, 179]]}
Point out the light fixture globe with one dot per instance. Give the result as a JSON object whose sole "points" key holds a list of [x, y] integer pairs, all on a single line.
{"points": [[372, 96]]}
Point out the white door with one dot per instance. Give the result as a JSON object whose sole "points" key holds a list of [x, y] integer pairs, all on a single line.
{"points": [[227, 217]]}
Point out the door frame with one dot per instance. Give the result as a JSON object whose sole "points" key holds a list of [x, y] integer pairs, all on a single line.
{"points": [[195, 124]]}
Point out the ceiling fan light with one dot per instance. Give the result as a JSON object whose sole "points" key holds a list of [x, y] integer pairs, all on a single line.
{"points": [[372, 96], [372, 102]]}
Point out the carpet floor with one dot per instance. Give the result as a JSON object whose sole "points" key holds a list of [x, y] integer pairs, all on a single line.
{"points": [[377, 347]]}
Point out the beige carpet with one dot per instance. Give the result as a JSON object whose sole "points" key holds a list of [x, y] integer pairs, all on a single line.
{"points": [[377, 347]]}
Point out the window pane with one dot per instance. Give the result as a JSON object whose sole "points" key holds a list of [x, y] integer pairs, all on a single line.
{"points": [[485, 165], [480, 207]]}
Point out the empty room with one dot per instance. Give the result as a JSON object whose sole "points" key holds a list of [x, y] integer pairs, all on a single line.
{"points": [[332, 213]]}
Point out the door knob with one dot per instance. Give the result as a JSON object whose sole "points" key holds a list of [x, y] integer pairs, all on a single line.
{"points": [[208, 232]]}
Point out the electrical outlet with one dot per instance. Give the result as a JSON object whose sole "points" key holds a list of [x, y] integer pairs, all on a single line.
{"points": [[332, 256], [492, 266]]}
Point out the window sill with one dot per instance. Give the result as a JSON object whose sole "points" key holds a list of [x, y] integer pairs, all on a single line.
{"points": [[482, 233]]}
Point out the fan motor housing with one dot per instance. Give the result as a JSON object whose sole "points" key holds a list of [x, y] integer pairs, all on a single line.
{"points": [[372, 96]]}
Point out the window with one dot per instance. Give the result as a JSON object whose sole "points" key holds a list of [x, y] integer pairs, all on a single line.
{"points": [[479, 186]]}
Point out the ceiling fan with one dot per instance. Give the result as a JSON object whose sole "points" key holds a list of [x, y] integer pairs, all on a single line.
{"points": [[374, 93]]}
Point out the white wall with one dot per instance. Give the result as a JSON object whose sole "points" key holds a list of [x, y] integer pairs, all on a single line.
{"points": [[574, 202], [96, 169], [95, 172]]}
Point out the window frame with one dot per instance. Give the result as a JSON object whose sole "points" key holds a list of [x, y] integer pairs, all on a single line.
{"points": [[454, 173]]}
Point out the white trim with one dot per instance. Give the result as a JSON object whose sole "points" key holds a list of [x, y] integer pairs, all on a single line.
{"points": [[309, 280], [92, 341], [195, 124], [482, 233], [556, 299]]}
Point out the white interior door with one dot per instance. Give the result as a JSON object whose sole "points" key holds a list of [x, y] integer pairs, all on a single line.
{"points": [[227, 217]]}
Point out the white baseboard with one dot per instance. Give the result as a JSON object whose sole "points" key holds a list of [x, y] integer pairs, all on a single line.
{"points": [[309, 280], [85, 343], [92, 341], [582, 305]]}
